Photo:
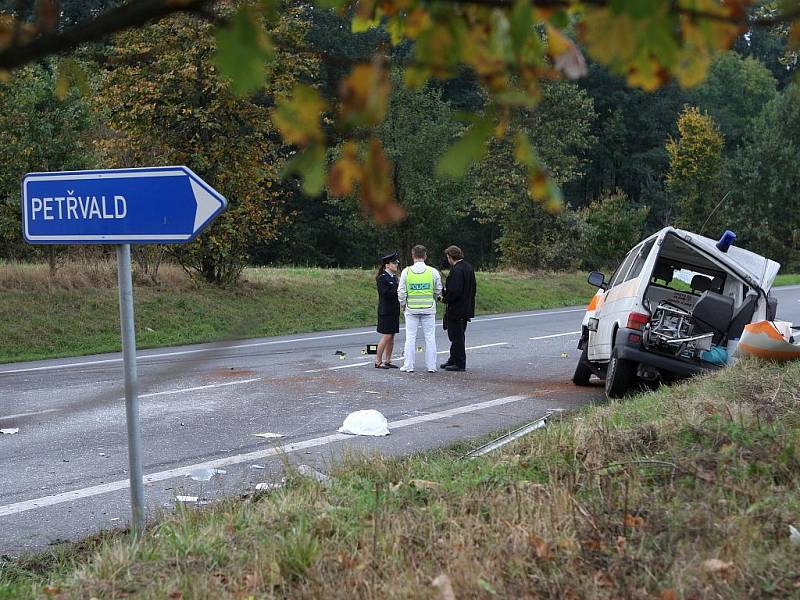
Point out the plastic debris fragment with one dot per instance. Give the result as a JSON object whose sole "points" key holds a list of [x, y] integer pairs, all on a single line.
{"points": [[312, 473], [268, 486], [794, 535], [186, 498], [269, 435], [365, 422], [205, 473], [9, 430], [259, 467]]}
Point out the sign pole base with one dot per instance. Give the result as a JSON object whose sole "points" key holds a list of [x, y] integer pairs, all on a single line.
{"points": [[131, 388]]}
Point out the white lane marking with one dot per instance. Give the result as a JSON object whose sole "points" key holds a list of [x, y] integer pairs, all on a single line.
{"points": [[786, 288], [199, 387], [399, 358], [29, 414], [113, 486], [142, 357], [552, 312], [555, 335]]}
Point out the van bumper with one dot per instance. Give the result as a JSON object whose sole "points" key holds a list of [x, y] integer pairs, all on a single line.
{"points": [[632, 350]]}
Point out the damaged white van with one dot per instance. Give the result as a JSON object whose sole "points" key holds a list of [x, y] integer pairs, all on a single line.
{"points": [[675, 307]]}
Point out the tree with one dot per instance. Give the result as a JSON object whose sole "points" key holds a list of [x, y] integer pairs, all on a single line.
{"points": [[613, 226], [764, 179], [38, 132], [510, 47], [166, 105], [633, 127], [417, 130], [531, 237], [695, 166], [735, 92]]}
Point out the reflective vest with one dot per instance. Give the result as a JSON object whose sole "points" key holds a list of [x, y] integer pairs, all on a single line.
{"points": [[420, 289]]}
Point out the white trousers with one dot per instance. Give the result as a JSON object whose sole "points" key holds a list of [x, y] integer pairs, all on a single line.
{"points": [[428, 323]]}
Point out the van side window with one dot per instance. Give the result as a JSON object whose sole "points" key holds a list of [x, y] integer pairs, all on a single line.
{"points": [[641, 258], [619, 276]]}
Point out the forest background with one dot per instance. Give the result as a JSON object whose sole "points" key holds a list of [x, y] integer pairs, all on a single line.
{"points": [[721, 155]]}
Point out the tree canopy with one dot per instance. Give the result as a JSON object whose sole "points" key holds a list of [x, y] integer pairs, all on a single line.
{"points": [[510, 46]]}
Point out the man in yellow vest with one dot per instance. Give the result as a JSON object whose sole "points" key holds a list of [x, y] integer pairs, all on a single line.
{"points": [[419, 288]]}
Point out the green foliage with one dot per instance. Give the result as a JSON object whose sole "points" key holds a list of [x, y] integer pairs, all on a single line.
{"points": [[613, 226], [418, 129], [764, 179], [532, 237], [736, 90], [38, 132], [695, 166]]}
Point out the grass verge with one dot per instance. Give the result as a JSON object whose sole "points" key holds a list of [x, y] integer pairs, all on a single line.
{"points": [[77, 313], [683, 493]]}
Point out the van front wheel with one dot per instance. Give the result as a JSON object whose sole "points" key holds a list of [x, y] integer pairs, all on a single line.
{"points": [[619, 376]]}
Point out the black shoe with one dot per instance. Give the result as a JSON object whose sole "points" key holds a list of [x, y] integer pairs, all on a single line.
{"points": [[454, 368], [390, 366], [445, 365], [381, 366]]}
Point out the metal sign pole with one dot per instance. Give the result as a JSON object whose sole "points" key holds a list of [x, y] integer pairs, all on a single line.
{"points": [[131, 387]]}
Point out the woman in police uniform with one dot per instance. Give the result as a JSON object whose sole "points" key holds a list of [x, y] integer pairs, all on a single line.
{"points": [[388, 310]]}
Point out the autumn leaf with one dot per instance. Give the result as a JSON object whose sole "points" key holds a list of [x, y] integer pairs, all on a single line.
{"points": [[377, 190], [346, 171], [566, 57], [541, 548], [715, 566], [364, 95], [298, 117], [633, 521]]}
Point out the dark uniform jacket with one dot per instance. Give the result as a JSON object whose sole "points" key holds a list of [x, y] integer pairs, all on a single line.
{"points": [[459, 294], [388, 303]]}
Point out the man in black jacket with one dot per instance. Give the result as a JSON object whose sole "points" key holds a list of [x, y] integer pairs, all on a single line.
{"points": [[459, 296]]}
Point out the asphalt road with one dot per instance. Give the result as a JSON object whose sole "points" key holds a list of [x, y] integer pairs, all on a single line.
{"points": [[64, 474]]}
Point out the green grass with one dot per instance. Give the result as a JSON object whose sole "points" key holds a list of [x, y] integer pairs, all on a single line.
{"points": [[788, 279], [683, 493], [38, 320]]}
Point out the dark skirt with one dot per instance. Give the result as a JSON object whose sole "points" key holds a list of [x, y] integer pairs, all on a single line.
{"points": [[389, 323]]}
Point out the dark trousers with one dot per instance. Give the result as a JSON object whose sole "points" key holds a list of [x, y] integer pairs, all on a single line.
{"points": [[456, 328]]}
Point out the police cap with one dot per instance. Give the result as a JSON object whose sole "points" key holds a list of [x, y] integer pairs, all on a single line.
{"points": [[393, 257]]}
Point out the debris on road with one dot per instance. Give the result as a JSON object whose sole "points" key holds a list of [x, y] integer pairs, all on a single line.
{"points": [[770, 340], [312, 473], [794, 535], [508, 437], [9, 430], [371, 392], [186, 499], [365, 422], [340, 354], [205, 473], [268, 486], [268, 435], [331, 392], [259, 467]]}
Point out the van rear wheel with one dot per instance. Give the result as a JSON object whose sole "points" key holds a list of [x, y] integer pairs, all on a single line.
{"points": [[582, 370], [619, 376]]}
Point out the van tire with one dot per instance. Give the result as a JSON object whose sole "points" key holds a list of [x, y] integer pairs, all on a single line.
{"points": [[619, 376], [582, 370]]}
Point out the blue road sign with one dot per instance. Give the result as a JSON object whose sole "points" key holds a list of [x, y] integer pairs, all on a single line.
{"points": [[159, 205]]}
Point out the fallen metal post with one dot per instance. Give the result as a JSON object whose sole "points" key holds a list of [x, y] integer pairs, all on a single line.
{"points": [[508, 437]]}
